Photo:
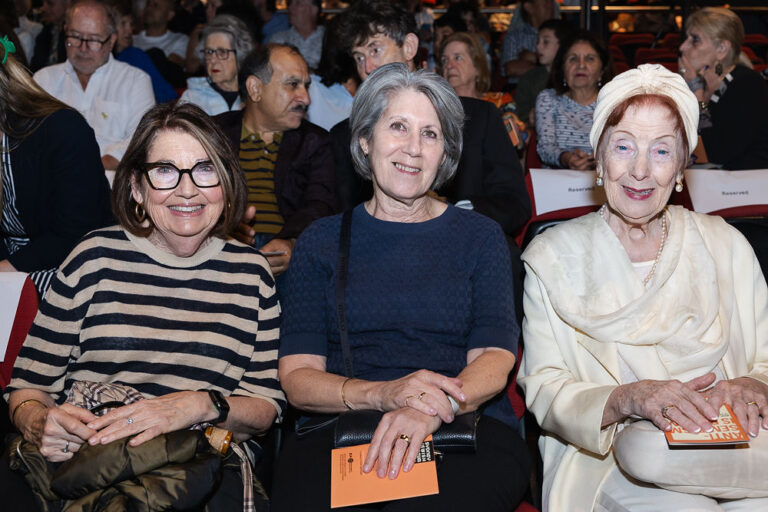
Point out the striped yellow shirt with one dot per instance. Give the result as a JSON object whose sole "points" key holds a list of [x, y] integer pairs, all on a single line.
{"points": [[257, 159]]}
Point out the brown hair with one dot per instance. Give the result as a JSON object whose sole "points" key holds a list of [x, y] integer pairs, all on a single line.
{"points": [[476, 53], [186, 118], [720, 24], [646, 100]]}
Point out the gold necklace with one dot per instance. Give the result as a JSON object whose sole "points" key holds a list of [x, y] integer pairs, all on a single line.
{"points": [[661, 245]]}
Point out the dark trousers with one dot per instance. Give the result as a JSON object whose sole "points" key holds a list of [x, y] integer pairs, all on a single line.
{"points": [[495, 478]]}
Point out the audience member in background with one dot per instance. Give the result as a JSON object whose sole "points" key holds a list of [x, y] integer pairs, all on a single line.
{"points": [[489, 178], [476, 21], [430, 313], [52, 188], [8, 25], [465, 66], [287, 160], [444, 26], [197, 347], [9, 21], [334, 84], [189, 14], [124, 51], [244, 10], [518, 53], [535, 80], [734, 99], [305, 33], [49, 43], [111, 95], [564, 113], [168, 50], [22, 9], [272, 21], [226, 42]]}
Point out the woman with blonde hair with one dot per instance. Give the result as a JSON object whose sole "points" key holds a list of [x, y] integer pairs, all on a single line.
{"points": [[733, 99], [53, 188]]}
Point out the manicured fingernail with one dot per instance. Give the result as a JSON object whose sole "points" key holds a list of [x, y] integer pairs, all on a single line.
{"points": [[697, 430], [710, 429]]}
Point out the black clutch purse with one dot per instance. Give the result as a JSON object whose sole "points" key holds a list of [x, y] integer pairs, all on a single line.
{"points": [[357, 427]]}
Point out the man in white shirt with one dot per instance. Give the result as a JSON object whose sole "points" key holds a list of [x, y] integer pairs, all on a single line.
{"points": [[111, 95], [304, 34], [157, 14]]}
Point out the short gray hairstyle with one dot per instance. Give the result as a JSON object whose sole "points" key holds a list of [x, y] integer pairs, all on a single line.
{"points": [[239, 35], [373, 98]]}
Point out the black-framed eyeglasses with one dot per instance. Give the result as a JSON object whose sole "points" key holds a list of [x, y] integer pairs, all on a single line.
{"points": [[166, 176], [93, 45], [220, 53]]}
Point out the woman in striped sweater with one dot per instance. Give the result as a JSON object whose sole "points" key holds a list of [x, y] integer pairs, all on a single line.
{"points": [[166, 303]]}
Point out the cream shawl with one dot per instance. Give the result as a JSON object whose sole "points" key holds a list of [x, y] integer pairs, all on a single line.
{"points": [[676, 328]]}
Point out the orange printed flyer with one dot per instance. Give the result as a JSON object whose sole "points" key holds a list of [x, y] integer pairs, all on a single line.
{"points": [[727, 430], [350, 486]]}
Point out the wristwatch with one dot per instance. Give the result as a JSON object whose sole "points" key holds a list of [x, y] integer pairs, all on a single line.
{"points": [[221, 405]]}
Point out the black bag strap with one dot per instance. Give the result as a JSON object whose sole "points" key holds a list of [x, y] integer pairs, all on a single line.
{"points": [[342, 269]]}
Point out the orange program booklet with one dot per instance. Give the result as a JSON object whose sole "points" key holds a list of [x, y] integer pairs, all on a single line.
{"points": [[727, 430], [350, 486]]}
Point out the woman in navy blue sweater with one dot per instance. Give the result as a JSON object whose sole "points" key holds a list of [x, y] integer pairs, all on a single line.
{"points": [[429, 310]]}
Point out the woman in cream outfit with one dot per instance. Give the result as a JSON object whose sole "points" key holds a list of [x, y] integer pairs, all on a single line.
{"points": [[640, 311]]}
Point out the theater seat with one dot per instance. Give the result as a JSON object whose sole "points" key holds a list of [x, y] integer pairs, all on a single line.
{"points": [[25, 314]]}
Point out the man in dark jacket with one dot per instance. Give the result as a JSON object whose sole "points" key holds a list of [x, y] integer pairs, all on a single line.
{"points": [[287, 160]]}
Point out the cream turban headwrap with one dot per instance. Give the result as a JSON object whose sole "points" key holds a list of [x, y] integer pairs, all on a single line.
{"points": [[647, 79]]}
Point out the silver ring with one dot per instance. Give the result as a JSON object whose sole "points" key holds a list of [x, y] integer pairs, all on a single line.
{"points": [[665, 410], [66, 448], [129, 421]]}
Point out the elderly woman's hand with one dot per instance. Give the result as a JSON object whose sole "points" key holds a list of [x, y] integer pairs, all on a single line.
{"points": [[425, 391], [397, 440], [650, 399], [577, 159], [58, 432], [147, 419], [747, 397]]}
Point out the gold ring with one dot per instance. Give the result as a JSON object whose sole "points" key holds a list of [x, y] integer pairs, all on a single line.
{"points": [[421, 395], [405, 438], [666, 409], [408, 398], [752, 402]]}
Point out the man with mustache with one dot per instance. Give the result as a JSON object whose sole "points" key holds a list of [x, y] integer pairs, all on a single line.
{"points": [[287, 160]]}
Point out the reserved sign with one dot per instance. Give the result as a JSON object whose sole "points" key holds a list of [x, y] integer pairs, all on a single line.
{"points": [[712, 189], [560, 189]]}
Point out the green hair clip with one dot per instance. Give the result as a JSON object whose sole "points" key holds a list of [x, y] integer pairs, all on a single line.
{"points": [[9, 47]]}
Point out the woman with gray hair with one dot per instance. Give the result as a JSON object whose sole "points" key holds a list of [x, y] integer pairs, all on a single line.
{"points": [[428, 312], [225, 42]]}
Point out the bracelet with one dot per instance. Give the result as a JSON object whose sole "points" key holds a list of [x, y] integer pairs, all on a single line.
{"points": [[344, 398], [22, 404]]}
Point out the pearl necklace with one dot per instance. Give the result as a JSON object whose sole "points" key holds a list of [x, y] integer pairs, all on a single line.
{"points": [[661, 245]]}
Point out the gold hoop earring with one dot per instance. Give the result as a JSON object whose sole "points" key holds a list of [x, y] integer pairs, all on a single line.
{"points": [[140, 213]]}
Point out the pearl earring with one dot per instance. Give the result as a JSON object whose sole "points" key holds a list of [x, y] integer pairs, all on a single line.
{"points": [[599, 181], [679, 186]]}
